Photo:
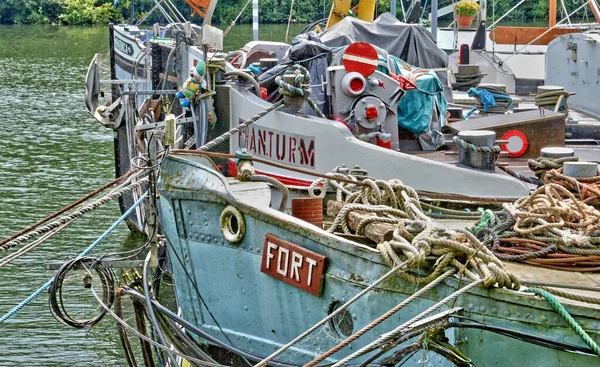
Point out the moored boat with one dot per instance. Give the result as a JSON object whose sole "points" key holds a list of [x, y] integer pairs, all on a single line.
{"points": [[299, 275]]}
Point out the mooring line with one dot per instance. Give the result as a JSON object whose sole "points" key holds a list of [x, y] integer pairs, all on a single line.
{"points": [[18, 307], [68, 207]]}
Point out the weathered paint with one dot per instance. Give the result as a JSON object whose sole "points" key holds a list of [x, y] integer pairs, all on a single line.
{"points": [[260, 313]]}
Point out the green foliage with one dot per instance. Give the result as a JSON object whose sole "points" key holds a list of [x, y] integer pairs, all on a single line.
{"points": [[82, 12], [270, 11], [466, 7]]}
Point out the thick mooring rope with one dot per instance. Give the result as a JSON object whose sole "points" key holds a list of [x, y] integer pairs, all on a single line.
{"points": [[417, 236], [69, 218], [567, 317]]}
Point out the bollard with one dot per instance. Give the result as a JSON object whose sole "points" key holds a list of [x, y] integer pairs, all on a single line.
{"points": [[580, 169], [557, 152], [475, 159], [293, 103], [268, 63]]}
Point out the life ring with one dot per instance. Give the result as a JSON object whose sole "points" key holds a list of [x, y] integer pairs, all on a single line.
{"points": [[517, 143], [233, 225]]}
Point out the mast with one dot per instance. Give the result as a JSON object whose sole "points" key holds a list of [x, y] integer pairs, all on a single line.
{"points": [[552, 14], [434, 18], [255, 20]]}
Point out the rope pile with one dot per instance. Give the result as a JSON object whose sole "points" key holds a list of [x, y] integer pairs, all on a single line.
{"points": [[585, 189], [542, 165], [491, 99], [417, 238], [464, 82], [550, 100]]}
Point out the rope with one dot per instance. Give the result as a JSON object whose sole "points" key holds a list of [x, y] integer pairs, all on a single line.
{"points": [[491, 99], [549, 100], [553, 210], [64, 221], [236, 18], [66, 208], [371, 286], [542, 165], [517, 175], [476, 148], [416, 236], [464, 82], [301, 87], [385, 339], [84, 253], [567, 317], [586, 189], [380, 319], [218, 140]]}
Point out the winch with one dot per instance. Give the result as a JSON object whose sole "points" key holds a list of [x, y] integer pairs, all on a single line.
{"points": [[364, 98]]}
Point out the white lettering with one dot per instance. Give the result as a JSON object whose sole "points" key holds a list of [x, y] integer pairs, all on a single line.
{"points": [[287, 258], [269, 254], [311, 264], [296, 264]]}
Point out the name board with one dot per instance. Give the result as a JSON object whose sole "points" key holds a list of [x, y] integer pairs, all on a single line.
{"points": [[293, 264], [123, 46], [283, 147]]}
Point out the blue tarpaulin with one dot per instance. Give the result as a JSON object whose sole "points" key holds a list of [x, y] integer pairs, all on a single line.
{"points": [[416, 107]]}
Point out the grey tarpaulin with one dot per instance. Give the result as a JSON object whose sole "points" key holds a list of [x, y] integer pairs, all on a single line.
{"points": [[410, 42], [308, 51]]}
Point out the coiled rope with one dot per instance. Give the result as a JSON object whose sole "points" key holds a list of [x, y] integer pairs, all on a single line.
{"points": [[491, 99], [542, 165], [586, 189], [85, 252], [417, 237], [301, 86], [550, 100], [464, 82]]}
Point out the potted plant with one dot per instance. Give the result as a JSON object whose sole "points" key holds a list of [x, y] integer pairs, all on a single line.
{"points": [[465, 11]]}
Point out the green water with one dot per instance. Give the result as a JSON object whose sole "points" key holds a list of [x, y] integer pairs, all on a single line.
{"points": [[52, 153]]}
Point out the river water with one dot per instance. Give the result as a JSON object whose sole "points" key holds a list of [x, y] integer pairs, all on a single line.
{"points": [[52, 153]]}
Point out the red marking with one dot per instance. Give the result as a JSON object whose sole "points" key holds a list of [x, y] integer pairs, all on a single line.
{"points": [[293, 264], [384, 144], [263, 93], [289, 181], [371, 113], [356, 84], [339, 119], [515, 134], [405, 83], [360, 57]]}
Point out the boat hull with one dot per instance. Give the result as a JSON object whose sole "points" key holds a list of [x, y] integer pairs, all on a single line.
{"points": [[260, 313]]}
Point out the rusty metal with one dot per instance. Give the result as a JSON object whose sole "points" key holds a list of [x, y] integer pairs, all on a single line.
{"points": [[293, 264], [309, 210], [542, 131]]}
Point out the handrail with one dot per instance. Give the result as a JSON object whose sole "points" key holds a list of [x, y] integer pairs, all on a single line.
{"points": [[505, 14], [548, 30]]}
